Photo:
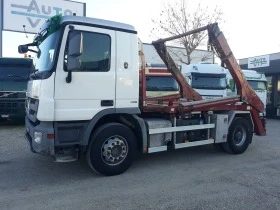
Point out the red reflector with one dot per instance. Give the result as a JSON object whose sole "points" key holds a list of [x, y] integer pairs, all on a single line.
{"points": [[50, 136]]}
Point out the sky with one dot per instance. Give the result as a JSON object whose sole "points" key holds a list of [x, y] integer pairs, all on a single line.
{"points": [[250, 26]]}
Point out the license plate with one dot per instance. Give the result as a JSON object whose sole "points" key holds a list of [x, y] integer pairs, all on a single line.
{"points": [[4, 116]]}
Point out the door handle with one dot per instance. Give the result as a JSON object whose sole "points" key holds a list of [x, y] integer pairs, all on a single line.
{"points": [[107, 103]]}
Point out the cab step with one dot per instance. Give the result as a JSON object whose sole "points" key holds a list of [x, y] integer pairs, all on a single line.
{"points": [[65, 156]]}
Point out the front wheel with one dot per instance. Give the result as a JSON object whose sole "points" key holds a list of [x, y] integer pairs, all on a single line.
{"points": [[112, 149], [239, 136]]}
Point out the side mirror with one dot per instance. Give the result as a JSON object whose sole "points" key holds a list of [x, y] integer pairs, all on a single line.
{"points": [[75, 49], [22, 49]]}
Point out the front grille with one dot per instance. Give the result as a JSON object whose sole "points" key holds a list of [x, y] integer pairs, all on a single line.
{"points": [[7, 108], [10, 95]]}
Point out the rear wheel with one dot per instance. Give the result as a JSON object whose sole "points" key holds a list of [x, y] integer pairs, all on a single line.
{"points": [[239, 136], [112, 149]]}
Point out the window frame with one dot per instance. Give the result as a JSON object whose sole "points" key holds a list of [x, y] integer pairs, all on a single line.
{"points": [[91, 32]]}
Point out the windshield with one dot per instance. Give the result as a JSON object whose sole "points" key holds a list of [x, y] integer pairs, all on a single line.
{"points": [[257, 85], [209, 81], [47, 50], [15, 73], [160, 83]]}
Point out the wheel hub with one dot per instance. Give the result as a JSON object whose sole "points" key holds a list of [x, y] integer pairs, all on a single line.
{"points": [[240, 136], [114, 150]]}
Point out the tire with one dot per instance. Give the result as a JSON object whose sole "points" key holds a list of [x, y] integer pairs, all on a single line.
{"points": [[112, 149], [240, 135]]}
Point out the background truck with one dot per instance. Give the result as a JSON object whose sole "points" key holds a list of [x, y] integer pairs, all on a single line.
{"points": [[209, 80], [256, 80], [159, 81], [87, 98], [14, 74]]}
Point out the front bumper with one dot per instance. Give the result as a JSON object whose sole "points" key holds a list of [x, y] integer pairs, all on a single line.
{"points": [[46, 145]]}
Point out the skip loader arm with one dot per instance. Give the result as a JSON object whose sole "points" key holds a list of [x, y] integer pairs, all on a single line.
{"points": [[186, 90], [219, 43]]}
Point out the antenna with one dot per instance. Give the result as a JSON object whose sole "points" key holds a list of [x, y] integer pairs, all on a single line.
{"points": [[24, 31]]}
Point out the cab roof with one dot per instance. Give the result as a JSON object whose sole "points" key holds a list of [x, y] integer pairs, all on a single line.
{"points": [[204, 68], [99, 23]]}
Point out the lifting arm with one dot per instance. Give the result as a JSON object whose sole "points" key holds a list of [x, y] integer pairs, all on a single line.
{"points": [[186, 90], [219, 43]]}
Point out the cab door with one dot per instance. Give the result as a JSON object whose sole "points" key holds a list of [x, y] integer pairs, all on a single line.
{"points": [[92, 87]]}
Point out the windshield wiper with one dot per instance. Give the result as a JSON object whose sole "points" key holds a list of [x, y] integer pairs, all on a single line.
{"points": [[16, 76], [209, 87], [201, 86], [152, 88], [167, 88]]}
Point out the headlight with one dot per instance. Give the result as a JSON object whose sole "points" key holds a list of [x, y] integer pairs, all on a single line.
{"points": [[38, 137]]}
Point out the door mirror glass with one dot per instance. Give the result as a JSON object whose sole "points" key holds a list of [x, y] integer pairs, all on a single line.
{"points": [[22, 49], [75, 49]]}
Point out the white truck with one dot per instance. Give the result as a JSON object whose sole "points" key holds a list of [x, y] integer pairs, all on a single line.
{"points": [[87, 97], [256, 80], [209, 80]]}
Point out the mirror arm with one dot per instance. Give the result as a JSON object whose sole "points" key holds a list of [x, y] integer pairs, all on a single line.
{"points": [[33, 51], [33, 44], [69, 77]]}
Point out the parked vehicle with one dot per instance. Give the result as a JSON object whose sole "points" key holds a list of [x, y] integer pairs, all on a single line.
{"points": [[208, 79], [14, 74], [87, 98], [256, 80], [159, 82]]}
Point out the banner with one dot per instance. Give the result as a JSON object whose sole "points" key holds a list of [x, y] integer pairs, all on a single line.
{"points": [[29, 15]]}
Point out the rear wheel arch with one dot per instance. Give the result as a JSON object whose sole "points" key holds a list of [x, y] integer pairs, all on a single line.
{"points": [[239, 137], [240, 114]]}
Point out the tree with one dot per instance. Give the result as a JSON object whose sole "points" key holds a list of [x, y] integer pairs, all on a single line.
{"points": [[181, 16]]}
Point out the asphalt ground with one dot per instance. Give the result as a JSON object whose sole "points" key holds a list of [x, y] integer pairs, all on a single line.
{"points": [[193, 178]]}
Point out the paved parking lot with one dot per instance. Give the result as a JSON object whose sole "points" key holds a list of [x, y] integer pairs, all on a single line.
{"points": [[193, 178]]}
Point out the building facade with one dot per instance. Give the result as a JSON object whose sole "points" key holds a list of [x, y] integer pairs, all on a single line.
{"points": [[270, 66], [178, 55]]}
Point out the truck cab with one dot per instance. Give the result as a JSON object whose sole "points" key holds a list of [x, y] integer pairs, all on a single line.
{"points": [[14, 74], [74, 87], [256, 80], [209, 80], [159, 82]]}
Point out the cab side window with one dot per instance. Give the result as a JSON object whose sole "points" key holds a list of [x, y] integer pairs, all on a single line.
{"points": [[96, 55]]}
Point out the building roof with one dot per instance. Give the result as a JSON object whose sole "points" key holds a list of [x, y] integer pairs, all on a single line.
{"points": [[178, 47], [272, 56], [274, 64], [177, 53]]}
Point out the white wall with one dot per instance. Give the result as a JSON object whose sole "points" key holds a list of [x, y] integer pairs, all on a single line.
{"points": [[152, 57]]}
